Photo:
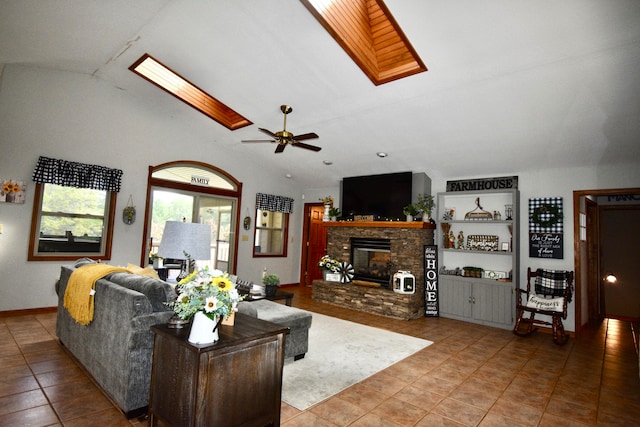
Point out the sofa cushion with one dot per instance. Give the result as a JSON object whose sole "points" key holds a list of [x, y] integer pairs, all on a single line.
{"points": [[157, 291], [282, 314]]}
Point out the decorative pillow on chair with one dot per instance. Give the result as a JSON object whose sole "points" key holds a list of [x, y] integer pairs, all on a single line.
{"points": [[549, 304], [551, 282]]}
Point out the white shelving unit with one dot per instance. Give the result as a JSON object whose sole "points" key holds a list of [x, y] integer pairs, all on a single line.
{"points": [[489, 299]]}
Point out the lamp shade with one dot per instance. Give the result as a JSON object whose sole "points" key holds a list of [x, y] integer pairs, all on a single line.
{"points": [[179, 238]]}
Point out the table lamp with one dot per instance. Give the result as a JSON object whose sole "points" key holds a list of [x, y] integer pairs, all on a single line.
{"points": [[185, 241]]}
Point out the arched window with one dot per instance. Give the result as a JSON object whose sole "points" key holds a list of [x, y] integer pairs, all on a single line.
{"points": [[195, 192]]}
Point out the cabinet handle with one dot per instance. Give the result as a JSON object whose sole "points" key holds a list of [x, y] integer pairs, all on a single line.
{"points": [[469, 300]]}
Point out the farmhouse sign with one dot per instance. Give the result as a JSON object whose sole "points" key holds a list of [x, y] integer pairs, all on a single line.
{"points": [[483, 184]]}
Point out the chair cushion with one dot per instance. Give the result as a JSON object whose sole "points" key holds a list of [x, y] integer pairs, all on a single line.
{"points": [[551, 282], [547, 304]]}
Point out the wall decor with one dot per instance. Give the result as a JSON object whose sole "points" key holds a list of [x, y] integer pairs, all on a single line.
{"points": [[12, 191], [431, 302], [483, 184], [129, 212], [546, 228]]}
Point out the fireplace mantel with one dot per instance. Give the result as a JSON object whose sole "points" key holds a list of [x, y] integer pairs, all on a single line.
{"points": [[380, 224]]}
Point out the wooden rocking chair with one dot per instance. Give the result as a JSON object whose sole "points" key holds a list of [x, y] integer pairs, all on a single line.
{"points": [[550, 295]]}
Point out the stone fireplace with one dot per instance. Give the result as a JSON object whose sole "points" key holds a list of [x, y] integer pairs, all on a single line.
{"points": [[406, 242]]}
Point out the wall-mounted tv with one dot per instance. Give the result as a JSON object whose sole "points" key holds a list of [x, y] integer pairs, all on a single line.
{"points": [[383, 196]]}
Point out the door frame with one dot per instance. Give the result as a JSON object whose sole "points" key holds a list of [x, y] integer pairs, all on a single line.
{"points": [[578, 195], [304, 253]]}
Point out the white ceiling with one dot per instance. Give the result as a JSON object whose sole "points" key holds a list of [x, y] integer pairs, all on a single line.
{"points": [[513, 85]]}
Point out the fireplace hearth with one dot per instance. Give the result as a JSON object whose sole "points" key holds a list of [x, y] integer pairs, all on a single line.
{"points": [[371, 260]]}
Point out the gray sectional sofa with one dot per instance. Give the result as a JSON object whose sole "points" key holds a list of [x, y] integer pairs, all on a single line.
{"points": [[116, 348]]}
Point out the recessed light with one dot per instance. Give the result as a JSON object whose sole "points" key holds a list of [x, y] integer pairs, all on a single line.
{"points": [[327, 162], [381, 154], [288, 176]]}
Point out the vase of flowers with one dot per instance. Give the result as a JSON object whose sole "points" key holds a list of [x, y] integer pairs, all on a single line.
{"points": [[207, 297], [271, 283], [328, 265]]}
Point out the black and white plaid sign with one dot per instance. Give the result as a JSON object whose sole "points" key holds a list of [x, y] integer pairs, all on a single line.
{"points": [[546, 215]]}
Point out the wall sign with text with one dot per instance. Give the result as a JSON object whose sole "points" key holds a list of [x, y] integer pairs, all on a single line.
{"points": [[546, 228], [431, 304]]}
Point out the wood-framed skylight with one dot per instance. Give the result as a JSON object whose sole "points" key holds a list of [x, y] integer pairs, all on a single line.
{"points": [[162, 76], [370, 35]]}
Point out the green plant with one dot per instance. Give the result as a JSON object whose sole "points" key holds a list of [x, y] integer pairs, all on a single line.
{"points": [[410, 209], [271, 280], [425, 203], [334, 212]]}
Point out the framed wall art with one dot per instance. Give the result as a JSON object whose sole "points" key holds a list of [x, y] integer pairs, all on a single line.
{"points": [[12, 191], [546, 228]]}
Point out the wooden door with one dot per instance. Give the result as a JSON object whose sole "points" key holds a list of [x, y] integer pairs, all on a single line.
{"points": [[314, 243], [619, 233]]}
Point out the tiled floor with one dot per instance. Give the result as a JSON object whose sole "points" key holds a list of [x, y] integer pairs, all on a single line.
{"points": [[471, 375]]}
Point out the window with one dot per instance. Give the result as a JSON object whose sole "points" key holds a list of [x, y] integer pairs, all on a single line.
{"points": [[71, 223], [271, 231], [73, 211], [272, 225], [195, 192]]}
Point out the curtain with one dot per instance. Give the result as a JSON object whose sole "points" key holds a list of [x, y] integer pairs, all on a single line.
{"points": [[270, 202], [74, 174]]}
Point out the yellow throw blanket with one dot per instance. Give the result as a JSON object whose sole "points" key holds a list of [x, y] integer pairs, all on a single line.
{"points": [[78, 297]]}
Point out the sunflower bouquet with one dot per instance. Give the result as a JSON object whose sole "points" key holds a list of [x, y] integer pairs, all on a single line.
{"points": [[329, 264], [210, 292]]}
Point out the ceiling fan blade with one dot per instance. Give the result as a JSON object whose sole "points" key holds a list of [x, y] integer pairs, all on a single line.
{"points": [[310, 135], [307, 146], [257, 140], [280, 148], [268, 132]]}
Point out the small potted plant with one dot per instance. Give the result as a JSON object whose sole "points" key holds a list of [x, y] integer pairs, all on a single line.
{"points": [[425, 204], [334, 213], [271, 283], [410, 211]]}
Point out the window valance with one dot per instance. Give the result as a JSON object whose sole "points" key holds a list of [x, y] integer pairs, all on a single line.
{"points": [[270, 202], [74, 174]]}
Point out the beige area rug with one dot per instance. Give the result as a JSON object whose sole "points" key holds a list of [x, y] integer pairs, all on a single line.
{"points": [[341, 353]]}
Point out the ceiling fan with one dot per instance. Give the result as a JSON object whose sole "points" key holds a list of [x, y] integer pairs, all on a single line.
{"points": [[284, 137]]}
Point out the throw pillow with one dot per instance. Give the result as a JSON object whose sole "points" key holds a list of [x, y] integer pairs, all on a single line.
{"points": [[147, 271]]}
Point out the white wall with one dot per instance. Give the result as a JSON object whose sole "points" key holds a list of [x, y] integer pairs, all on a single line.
{"points": [[80, 118]]}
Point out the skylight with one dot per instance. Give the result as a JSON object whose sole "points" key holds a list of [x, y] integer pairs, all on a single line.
{"points": [[369, 34], [157, 73]]}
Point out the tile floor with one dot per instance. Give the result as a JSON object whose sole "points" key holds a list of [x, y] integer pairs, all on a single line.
{"points": [[471, 375]]}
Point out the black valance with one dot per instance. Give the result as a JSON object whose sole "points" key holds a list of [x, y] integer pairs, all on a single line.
{"points": [[270, 202], [74, 174]]}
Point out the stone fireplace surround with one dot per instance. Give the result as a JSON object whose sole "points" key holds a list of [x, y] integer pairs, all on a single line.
{"points": [[407, 246]]}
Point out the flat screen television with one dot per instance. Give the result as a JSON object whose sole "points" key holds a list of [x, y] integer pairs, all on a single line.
{"points": [[383, 196]]}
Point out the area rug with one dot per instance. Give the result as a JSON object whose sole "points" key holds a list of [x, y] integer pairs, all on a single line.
{"points": [[341, 353]]}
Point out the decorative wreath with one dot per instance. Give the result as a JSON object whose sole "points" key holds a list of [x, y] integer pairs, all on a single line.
{"points": [[346, 272], [552, 210]]}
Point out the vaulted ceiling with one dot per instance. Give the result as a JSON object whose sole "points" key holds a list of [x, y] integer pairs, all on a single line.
{"points": [[512, 85]]}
